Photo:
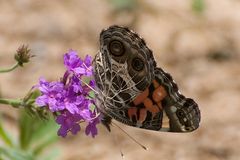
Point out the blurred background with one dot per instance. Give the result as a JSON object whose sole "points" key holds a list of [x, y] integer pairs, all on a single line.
{"points": [[197, 41]]}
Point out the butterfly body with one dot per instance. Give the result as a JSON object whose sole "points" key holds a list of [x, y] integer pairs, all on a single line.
{"points": [[134, 91]]}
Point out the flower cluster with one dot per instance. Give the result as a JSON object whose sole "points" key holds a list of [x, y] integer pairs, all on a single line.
{"points": [[71, 98]]}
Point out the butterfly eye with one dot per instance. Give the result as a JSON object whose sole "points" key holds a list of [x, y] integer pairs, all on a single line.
{"points": [[116, 48], [137, 64]]}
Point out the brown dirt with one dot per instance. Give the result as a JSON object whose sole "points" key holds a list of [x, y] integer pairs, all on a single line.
{"points": [[201, 51]]}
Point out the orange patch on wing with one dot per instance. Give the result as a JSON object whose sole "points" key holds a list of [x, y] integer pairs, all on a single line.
{"points": [[150, 107], [140, 98], [142, 115], [148, 103], [155, 83], [159, 94], [154, 110], [132, 112]]}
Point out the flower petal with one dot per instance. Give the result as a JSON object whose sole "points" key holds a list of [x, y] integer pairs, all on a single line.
{"points": [[42, 100], [75, 128], [62, 131]]}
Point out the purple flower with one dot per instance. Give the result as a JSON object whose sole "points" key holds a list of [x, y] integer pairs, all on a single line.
{"points": [[88, 61], [72, 61], [68, 122], [92, 83], [88, 65], [76, 84], [74, 64], [91, 127], [71, 101], [51, 94], [71, 98]]}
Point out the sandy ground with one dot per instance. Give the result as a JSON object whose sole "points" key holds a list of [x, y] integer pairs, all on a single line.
{"points": [[201, 51]]}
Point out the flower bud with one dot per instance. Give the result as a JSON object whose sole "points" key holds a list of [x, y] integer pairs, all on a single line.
{"points": [[23, 55]]}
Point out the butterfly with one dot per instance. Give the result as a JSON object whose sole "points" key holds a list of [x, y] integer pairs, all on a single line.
{"points": [[134, 91]]}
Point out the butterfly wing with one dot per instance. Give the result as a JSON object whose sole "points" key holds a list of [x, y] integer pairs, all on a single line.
{"points": [[160, 107], [123, 68], [167, 109], [133, 91]]}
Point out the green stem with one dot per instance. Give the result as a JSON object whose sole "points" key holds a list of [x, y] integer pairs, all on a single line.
{"points": [[9, 69], [13, 102]]}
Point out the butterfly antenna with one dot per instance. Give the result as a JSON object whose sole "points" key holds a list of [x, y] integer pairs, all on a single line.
{"points": [[89, 86], [133, 139], [115, 140], [118, 144]]}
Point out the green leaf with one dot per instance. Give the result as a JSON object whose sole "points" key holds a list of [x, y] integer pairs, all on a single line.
{"points": [[46, 135], [4, 135], [49, 127], [92, 94], [27, 126], [15, 154], [92, 107], [35, 131], [45, 143], [34, 94]]}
